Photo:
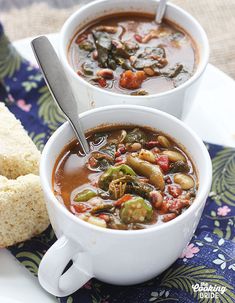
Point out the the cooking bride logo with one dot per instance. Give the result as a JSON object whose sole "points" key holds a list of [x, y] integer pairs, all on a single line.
{"points": [[206, 290]]}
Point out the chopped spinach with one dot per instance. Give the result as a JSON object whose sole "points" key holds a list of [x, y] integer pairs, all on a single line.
{"points": [[140, 92], [103, 44], [119, 50], [176, 36], [179, 166], [175, 71], [150, 57], [136, 135], [182, 77], [87, 46], [88, 69]]}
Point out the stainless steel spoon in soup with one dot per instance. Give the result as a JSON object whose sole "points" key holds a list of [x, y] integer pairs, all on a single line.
{"points": [[161, 8], [59, 86]]}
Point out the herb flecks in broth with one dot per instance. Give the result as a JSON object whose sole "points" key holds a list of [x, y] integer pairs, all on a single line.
{"points": [[131, 54], [133, 178]]}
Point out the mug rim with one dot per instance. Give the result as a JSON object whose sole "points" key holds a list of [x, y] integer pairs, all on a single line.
{"points": [[200, 68], [200, 197]]}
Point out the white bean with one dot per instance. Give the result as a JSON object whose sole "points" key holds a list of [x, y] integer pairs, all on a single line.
{"points": [[149, 71], [185, 181], [133, 147], [156, 198], [97, 221], [174, 155], [147, 155]]}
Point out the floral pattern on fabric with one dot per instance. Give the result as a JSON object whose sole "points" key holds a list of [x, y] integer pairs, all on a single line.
{"points": [[205, 272]]}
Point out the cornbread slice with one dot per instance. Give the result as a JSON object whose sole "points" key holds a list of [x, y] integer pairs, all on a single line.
{"points": [[18, 154], [23, 212]]}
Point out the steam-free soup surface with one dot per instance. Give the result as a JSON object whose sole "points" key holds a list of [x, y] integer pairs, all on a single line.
{"points": [[133, 178], [131, 54]]}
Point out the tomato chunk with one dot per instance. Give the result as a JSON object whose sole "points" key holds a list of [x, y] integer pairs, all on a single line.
{"points": [[105, 217], [81, 207], [132, 80], [163, 162], [92, 162], [102, 82], [123, 199]]}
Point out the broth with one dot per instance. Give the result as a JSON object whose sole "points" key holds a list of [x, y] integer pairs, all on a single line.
{"points": [[131, 54], [134, 178]]}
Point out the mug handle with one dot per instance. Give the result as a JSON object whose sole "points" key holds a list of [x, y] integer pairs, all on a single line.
{"points": [[50, 272]]}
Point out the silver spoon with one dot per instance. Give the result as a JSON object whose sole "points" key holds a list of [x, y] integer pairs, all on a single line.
{"points": [[161, 8], [59, 86]]}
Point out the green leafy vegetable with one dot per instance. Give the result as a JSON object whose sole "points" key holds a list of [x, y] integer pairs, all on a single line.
{"points": [[105, 156], [182, 77], [103, 45], [88, 69], [119, 50], [140, 92], [112, 173], [174, 72], [112, 63], [87, 46], [136, 135], [109, 149], [176, 36], [179, 166], [139, 188], [151, 57], [123, 63], [131, 47]]}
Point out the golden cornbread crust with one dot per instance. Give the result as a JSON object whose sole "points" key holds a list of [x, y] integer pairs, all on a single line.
{"points": [[23, 211], [18, 154]]}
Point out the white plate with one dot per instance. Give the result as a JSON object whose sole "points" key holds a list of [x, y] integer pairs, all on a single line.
{"points": [[212, 117]]}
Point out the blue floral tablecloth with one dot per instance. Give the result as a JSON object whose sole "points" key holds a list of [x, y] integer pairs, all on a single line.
{"points": [[206, 270]]}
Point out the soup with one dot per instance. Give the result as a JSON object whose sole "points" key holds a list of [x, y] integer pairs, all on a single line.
{"points": [[133, 178], [131, 54]]}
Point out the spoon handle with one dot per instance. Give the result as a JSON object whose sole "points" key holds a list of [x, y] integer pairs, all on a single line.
{"points": [[58, 85], [161, 8]]}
